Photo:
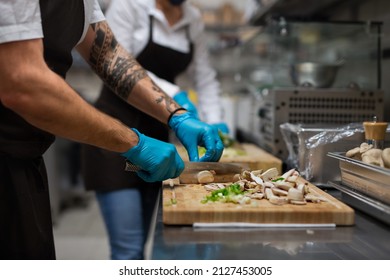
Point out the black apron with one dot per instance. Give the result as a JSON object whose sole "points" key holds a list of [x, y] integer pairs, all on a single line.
{"points": [[25, 214]]}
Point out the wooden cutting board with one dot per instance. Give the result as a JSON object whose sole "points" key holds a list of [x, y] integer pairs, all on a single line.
{"points": [[189, 209], [245, 153]]}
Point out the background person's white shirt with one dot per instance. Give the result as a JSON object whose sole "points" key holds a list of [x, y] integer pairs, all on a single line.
{"points": [[129, 20], [21, 19]]}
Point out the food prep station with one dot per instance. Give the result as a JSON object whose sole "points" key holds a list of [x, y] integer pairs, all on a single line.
{"points": [[308, 121], [286, 118], [191, 230]]}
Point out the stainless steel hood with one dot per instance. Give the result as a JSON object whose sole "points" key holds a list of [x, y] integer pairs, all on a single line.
{"points": [[302, 9]]}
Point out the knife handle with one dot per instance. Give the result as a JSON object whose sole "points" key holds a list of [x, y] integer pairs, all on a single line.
{"points": [[131, 167]]}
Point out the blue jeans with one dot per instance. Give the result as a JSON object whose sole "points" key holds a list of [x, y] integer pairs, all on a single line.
{"points": [[122, 214]]}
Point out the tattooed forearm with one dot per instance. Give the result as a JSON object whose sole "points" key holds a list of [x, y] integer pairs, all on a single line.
{"points": [[118, 69], [170, 105]]}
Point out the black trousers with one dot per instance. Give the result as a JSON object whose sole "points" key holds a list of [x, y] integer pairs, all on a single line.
{"points": [[26, 230]]}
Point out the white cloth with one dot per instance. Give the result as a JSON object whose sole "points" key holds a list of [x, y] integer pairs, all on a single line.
{"points": [[21, 19], [129, 20]]}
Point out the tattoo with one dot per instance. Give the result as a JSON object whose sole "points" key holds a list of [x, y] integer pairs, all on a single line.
{"points": [[118, 69], [170, 105]]}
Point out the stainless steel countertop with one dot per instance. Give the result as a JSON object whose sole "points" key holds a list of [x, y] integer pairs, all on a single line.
{"points": [[367, 239]]}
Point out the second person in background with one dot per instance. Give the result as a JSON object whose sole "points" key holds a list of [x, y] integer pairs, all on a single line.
{"points": [[167, 38]]}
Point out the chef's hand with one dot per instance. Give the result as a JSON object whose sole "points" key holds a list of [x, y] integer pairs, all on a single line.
{"points": [[182, 99], [193, 133], [221, 127], [158, 160]]}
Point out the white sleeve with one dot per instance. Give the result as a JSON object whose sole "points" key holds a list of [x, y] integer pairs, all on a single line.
{"points": [[167, 87], [20, 20], [205, 79], [97, 14], [121, 16]]}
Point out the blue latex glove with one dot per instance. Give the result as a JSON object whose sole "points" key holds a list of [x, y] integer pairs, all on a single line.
{"points": [[182, 99], [158, 160], [193, 133], [222, 127]]}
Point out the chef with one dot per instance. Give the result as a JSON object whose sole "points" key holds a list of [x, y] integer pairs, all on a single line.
{"points": [[36, 103], [167, 37]]}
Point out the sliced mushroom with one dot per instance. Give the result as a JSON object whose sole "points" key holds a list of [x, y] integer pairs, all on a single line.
{"points": [[312, 198], [205, 176], [298, 202], [373, 156], [386, 157], [256, 178], [214, 186], [364, 147], [236, 177], [257, 195], [292, 178], [278, 200], [270, 174], [284, 185], [279, 192], [295, 194], [268, 185], [288, 173], [304, 188], [354, 153]]}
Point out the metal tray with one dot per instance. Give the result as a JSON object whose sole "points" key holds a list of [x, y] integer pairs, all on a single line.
{"points": [[365, 204], [371, 180]]}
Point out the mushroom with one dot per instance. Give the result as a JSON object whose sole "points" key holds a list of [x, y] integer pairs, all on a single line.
{"points": [[256, 178], [298, 202], [284, 185], [373, 156], [288, 174], [269, 174], [257, 195], [312, 198], [205, 176], [386, 157], [279, 192], [214, 186], [274, 199], [364, 147], [303, 187], [295, 194], [354, 153]]}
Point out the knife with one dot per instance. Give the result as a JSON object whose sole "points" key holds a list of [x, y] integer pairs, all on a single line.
{"points": [[224, 172]]}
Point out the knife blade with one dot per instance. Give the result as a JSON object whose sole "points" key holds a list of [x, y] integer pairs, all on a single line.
{"points": [[224, 172]]}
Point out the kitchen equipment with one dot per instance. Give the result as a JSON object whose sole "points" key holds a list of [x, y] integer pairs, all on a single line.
{"points": [[310, 106], [371, 180], [188, 209], [318, 75], [362, 202], [364, 186], [375, 133], [224, 172], [308, 146]]}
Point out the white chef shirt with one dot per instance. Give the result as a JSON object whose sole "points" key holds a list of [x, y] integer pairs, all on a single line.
{"points": [[21, 19], [129, 20]]}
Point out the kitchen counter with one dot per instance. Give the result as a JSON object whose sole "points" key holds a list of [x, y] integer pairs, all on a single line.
{"points": [[367, 239]]}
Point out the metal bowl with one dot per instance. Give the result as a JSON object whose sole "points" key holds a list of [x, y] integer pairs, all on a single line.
{"points": [[314, 74]]}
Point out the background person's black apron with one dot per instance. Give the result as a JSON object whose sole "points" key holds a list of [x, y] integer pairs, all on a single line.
{"points": [[104, 170], [25, 214]]}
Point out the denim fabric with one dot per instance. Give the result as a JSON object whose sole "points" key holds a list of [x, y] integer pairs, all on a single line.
{"points": [[126, 232]]}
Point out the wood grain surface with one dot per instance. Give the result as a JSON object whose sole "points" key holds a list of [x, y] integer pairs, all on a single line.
{"points": [[249, 154], [189, 209]]}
